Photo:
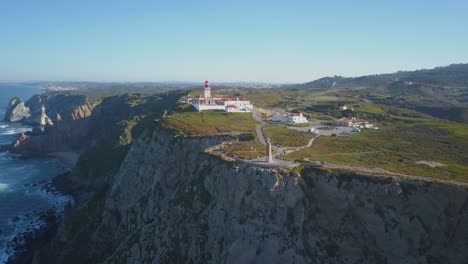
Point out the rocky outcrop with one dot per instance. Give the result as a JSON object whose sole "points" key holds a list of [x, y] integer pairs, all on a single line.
{"points": [[78, 127], [48, 108], [17, 111], [172, 203]]}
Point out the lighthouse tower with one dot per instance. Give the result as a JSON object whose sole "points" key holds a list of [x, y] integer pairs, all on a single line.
{"points": [[207, 89]]}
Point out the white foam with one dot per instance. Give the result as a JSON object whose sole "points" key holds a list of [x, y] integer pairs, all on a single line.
{"points": [[3, 126], [12, 131], [9, 132], [3, 255], [21, 225], [3, 186]]}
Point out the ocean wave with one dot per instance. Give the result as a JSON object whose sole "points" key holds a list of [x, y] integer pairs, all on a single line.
{"points": [[3, 186], [30, 222], [15, 131], [23, 225], [4, 126]]}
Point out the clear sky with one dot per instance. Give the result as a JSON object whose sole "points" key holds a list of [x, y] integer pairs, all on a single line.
{"points": [[271, 41]]}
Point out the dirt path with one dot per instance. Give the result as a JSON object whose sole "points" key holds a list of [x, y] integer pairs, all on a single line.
{"points": [[349, 153]]}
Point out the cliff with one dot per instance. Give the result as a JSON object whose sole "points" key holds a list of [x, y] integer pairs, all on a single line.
{"points": [[80, 128], [17, 111], [169, 202], [48, 109]]}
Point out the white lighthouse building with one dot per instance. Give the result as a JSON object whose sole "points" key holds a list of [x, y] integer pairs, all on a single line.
{"points": [[218, 102], [207, 89]]}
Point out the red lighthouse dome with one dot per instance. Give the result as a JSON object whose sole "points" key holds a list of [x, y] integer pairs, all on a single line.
{"points": [[207, 84]]}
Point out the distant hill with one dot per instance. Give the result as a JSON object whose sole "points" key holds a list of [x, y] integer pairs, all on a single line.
{"points": [[441, 92], [452, 75]]}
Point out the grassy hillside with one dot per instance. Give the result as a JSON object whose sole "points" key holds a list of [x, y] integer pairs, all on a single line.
{"points": [[440, 92], [218, 122], [280, 135], [399, 149], [212, 122]]}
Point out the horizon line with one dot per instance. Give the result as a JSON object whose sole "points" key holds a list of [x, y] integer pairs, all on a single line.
{"points": [[216, 81]]}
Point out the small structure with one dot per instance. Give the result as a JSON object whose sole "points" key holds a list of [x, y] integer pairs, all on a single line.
{"points": [[345, 108], [295, 118], [269, 157], [218, 102], [352, 121]]}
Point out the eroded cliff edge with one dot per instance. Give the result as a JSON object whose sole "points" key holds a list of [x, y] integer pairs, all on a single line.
{"points": [[48, 109], [171, 203]]}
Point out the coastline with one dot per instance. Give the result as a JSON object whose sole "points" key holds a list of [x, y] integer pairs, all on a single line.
{"points": [[28, 243], [31, 241], [33, 229], [25, 245]]}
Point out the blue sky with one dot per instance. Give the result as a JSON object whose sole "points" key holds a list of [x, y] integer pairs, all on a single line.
{"points": [[271, 41]]}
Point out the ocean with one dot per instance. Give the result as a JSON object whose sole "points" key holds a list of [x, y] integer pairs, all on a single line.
{"points": [[25, 185]]}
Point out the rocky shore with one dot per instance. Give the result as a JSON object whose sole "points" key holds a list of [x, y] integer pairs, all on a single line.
{"points": [[25, 244], [42, 226], [47, 112]]}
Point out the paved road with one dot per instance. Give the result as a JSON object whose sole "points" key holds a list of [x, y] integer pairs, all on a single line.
{"points": [[260, 136], [337, 130], [277, 150], [348, 153], [370, 171]]}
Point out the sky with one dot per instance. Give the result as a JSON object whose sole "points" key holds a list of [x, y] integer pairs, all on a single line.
{"points": [[269, 41]]}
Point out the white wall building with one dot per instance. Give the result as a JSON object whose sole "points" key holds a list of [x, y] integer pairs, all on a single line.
{"points": [[296, 118], [208, 102]]}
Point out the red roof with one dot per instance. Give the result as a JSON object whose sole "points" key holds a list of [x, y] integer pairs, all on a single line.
{"points": [[232, 106], [345, 119]]}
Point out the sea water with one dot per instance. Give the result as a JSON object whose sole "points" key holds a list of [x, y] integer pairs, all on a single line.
{"points": [[25, 189]]}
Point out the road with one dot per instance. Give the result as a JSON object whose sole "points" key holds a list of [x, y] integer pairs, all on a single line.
{"points": [[337, 130], [369, 171], [276, 150]]}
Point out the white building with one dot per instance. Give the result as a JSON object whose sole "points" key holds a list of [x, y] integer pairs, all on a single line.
{"points": [[217, 102], [352, 121], [296, 118]]}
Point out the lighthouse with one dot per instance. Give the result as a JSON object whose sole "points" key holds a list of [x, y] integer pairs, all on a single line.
{"points": [[206, 101], [207, 89]]}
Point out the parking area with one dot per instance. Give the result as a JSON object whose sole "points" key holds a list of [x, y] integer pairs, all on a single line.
{"points": [[325, 130]]}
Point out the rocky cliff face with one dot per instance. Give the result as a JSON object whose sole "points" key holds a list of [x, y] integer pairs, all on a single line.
{"points": [[48, 109], [171, 203], [78, 128], [17, 111]]}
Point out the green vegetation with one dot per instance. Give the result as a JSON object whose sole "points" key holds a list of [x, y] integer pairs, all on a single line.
{"points": [[212, 122], [218, 122], [285, 137], [398, 149], [250, 149], [264, 98], [299, 125]]}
